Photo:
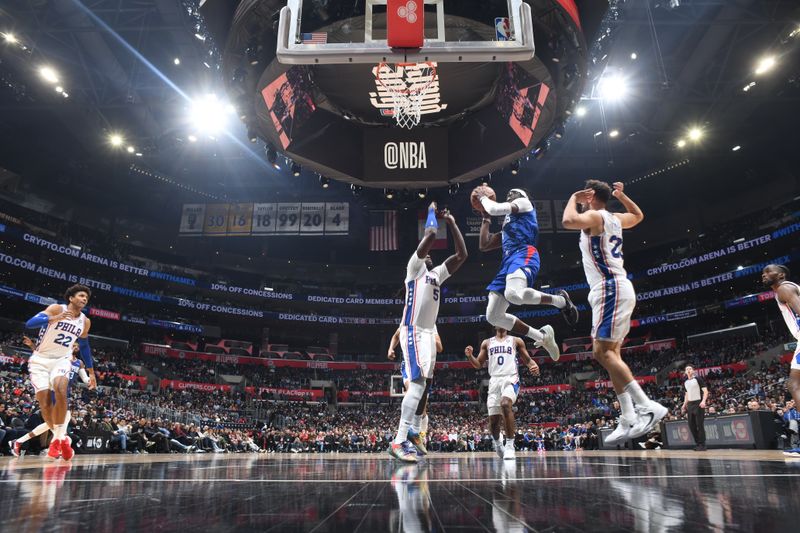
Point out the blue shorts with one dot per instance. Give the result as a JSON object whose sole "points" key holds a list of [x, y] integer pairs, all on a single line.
{"points": [[526, 259]]}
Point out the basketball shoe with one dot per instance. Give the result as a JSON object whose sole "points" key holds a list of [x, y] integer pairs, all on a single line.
{"points": [[66, 449], [622, 432], [54, 451], [549, 342], [499, 448], [418, 442], [648, 417], [794, 452], [569, 312], [403, 453], [16, 448]]}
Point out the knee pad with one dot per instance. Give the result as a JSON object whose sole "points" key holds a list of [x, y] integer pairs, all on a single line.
{"points": [[513, 296]]}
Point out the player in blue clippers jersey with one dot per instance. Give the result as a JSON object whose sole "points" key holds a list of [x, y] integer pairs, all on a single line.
{"points": [[520, 265]]}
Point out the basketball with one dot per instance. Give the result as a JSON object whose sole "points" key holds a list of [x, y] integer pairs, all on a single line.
{"points": [[474, 198]]}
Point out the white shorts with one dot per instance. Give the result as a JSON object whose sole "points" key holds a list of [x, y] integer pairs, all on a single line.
{"points": [[501, 387], [612, 306], [45, 370], [419, 352], [796, 358]]}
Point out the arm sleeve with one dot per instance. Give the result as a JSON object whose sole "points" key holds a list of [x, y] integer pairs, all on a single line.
{"points": [[37, 321], [495, 209], [415, 267], [86, 352], [83, 375], [524, 205]]}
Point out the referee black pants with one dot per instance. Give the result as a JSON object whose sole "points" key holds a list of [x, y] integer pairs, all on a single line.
{"points": [[696, 416]]}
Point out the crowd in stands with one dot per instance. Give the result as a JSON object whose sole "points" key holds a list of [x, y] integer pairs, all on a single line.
{"points": [[214, 421]]}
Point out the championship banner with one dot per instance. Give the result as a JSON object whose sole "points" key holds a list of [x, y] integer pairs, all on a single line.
{"points": [[184, 385], [192, 219], [240, 219], [216, 221], [312, 218]]}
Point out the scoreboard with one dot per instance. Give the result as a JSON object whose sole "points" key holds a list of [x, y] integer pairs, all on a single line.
{"points": [[249, 219]]}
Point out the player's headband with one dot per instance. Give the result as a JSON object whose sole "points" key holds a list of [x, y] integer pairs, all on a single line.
{"points": [[520, 192]]}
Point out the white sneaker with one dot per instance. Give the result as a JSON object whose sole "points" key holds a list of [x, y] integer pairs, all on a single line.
{"points": [[509, 454], [549, 342], [499, 449], [621, 433], [649, 416]]}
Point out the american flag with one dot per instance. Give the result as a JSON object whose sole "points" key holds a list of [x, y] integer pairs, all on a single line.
{"points": [[382, 231], [315, 38]]}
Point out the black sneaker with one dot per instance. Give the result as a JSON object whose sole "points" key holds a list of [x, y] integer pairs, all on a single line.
{"points": [[570, 312]]}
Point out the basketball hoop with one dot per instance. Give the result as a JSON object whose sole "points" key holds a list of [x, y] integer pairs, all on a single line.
{"points": [[407, 85]]}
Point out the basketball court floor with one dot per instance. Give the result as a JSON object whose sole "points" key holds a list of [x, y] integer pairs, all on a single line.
{"points": [[649, 491]]}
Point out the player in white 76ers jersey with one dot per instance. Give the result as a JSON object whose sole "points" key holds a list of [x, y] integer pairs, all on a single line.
{"points": [[787, 296], [60, 327], [417, 330], [612, 298], [501, 352]]}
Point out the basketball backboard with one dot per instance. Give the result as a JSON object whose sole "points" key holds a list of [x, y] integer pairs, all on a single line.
{"points": [[315, 32]]}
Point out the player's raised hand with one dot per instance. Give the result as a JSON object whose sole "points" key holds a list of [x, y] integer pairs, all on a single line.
{"points": [[92, 381], [585, 196], [533, 368], [448, 217], [619, 188], [468, 351]]}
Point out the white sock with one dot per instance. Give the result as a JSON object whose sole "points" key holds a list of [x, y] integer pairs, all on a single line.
{"points": [[535, 334], [408, 409], [534, 297], [38, 430], [636, 392], [59, 430], [423, 425], [626, 404], [416, 423]]}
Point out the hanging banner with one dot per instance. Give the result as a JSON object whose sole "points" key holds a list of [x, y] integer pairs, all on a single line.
{"points": [[192, 219]]}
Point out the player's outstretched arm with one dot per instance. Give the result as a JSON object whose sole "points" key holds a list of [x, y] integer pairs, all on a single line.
{"points": [[634, 213], [488, 241], [455, 261], [477, 362], [393, 345], [86, 353], [431, 225], [527, 360], [572, 219]]}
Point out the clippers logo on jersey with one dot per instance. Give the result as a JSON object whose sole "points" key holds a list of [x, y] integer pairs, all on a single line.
{"points": [[404, 80]]}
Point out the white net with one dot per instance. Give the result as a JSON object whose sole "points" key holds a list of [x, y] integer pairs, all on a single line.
{"points": [[406, 85]]}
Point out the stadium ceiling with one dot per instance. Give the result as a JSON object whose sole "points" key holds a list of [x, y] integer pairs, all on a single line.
{"points": [[116, 61]]}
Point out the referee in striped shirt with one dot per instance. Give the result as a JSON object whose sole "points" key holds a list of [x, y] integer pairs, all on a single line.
{"points": [[695, 404]]}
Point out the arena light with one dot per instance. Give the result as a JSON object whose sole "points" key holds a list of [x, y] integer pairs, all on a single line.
{"points": [[613, 133], [48, 74], [681, 143], [131, 149], [389, 193], [192, 138], [765, 64], [749, 86], [580, 111], [453, 189], [10, 38], [209, 114], [613, 87], [116, 140], [325, 182], [272, 156], [422, 193], [356, 189], [740, 267], [59, 89], [177, 60], [252, 135], [65, 94], [736, 148], [515, 167], [296, 168], [695, 134], [634, 56]]}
